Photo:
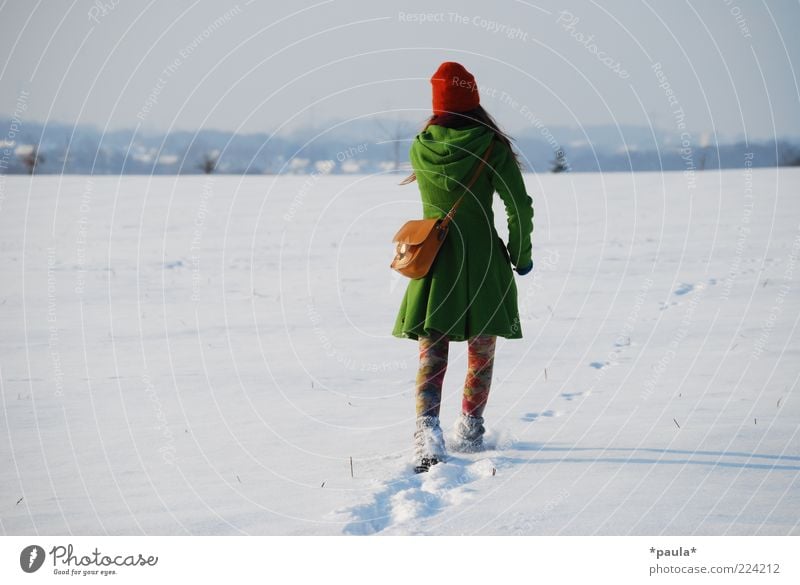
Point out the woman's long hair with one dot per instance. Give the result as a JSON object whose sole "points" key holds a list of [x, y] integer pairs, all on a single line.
{"points": [[458, 120]]}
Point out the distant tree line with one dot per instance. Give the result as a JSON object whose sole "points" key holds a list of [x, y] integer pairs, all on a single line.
{"points": [[379, 146]]}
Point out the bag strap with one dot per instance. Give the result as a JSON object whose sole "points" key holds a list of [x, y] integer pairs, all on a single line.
{"points": [[482, 163]]}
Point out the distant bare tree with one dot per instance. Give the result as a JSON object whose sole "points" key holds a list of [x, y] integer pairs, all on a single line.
{"points": [[32, 160], [209, 164], [788, 155], [560, 164], [394, 131]]}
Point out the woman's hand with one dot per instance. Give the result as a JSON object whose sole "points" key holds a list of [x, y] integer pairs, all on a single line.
{"points": [[525, 270]]}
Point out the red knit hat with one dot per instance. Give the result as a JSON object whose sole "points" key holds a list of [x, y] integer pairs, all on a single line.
{"points": [[454, 89]]}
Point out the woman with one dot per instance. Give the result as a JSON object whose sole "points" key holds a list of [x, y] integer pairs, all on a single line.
{"points": [[469, 294]]}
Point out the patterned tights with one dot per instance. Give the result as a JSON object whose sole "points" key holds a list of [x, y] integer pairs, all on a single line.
{"points": [[433, 353]]}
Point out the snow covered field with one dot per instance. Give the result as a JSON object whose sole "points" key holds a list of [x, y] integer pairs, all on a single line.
{"points": [[193, 355]]}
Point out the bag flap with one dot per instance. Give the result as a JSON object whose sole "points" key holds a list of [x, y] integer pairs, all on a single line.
{"points": [[415, 231]]}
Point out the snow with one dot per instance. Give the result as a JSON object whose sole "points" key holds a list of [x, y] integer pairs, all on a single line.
{"points": [[23, 149], [206, 354], [324, 166], [298, 164], [351, 166], [168, 159]]}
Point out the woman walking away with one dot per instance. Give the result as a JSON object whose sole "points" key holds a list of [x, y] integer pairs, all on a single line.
{"points": [[469, 294]]}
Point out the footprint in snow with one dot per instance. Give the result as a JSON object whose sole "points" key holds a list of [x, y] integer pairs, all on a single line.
{"points": [[621, 341], [574, 395], [399, 505], [532, 416]]}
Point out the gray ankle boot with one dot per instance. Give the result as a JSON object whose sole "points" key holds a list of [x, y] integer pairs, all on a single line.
{"points": [[469, 434], [428, 443]]}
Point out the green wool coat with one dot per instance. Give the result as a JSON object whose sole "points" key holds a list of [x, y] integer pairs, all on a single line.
{"points": [[470, 289]]}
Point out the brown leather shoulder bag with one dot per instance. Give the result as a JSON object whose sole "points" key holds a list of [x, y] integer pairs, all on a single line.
{"points": [[419, 240]]}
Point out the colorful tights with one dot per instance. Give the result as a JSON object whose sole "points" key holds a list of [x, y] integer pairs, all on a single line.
{"points": [[433, 352]]}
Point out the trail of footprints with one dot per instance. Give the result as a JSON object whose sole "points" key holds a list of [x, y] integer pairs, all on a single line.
{"points": [[400, 505], [620, 345]]}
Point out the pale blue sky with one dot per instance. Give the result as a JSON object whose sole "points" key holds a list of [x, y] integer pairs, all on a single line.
{"points": [[730, 65]]}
